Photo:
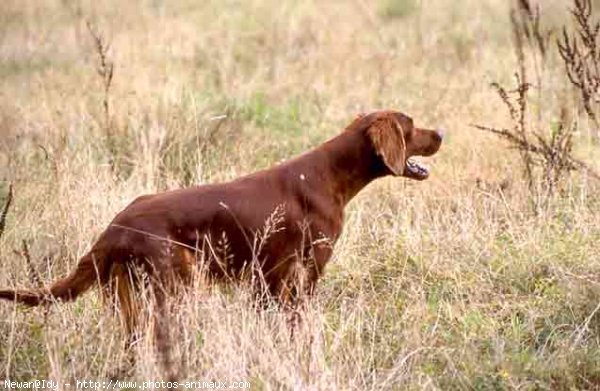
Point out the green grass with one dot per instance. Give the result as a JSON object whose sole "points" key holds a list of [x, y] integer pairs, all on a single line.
{"points": [[397, 8]]}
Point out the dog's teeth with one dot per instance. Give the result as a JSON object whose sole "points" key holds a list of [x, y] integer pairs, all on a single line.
{"points": [[416, 168]]}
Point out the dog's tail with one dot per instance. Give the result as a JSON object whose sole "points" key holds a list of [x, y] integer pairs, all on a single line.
{"points": [[91, 268]]}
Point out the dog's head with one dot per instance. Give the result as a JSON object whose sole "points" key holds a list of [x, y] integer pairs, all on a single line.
{"points": [[396, 140]]}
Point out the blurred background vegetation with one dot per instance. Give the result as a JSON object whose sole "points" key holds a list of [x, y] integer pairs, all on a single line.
{"points": [[453, 283]]}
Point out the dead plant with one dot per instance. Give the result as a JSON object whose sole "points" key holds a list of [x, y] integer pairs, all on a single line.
{"points": [[4, 212], [546, 150], [34, 275], [580, 53], [105, 70]]}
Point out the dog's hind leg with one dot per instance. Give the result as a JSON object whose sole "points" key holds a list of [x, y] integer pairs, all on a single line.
{"points": [[121, 295], [162, 334], [169, 275], [125, 284], [168, 270], [129, 307]]}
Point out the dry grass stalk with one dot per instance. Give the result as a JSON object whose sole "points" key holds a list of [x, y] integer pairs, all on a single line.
{"points": [[34, 275], [528, 17], [581, 56], [105, 69], [4, 213], [525, 18]]}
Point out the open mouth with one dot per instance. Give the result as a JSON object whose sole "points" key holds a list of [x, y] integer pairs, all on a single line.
{"points": [[415, 170]]}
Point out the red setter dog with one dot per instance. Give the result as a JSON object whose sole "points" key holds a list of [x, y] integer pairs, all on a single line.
{"points": [[278, 226]]}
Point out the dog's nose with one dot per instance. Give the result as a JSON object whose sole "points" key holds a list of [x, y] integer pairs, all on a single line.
{"points": [[441, 132]]}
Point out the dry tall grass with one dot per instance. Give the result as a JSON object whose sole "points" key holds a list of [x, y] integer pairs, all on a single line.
{"points": [[451, 283]]}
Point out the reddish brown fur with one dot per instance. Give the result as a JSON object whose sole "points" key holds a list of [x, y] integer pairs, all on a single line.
{"points": [[165, 234]]}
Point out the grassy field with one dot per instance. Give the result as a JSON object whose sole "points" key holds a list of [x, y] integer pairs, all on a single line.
{"points": [[452, 283]]}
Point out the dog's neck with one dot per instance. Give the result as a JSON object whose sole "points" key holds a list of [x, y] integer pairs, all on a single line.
{"points": [[351, 163]]}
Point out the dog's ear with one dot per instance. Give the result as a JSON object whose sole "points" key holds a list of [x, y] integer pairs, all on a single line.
{"points": [[389, 143]]}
